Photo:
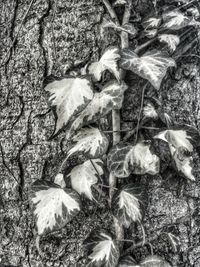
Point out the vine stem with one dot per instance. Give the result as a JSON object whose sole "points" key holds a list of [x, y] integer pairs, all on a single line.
{"points": [[116, 113]]}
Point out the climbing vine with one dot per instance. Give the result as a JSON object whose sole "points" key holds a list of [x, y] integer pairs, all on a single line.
{"points": [[80, 101]]}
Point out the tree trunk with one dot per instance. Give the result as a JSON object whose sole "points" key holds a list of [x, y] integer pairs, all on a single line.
{"points": [[55, 37]]}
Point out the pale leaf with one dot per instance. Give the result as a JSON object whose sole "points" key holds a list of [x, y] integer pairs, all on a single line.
{"points": [[152, 23], [126, 205], [59, 180], [142, 160], [53, 206], [111, 97], [120, 2], [85, 175], [152, 65], [69, 96], [175, 20], [181, 141], [154, 261], [149, 111], [103, 250], [150, 33], [108, 61], [91, 141], [171, 40]]}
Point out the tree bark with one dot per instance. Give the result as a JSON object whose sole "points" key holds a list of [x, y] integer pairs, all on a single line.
{"points": [[55, 37]]}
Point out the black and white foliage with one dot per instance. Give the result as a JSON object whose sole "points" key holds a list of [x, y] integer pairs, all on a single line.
{"points": [[85, 175], [91, 141], [151, 66], [69, 96], [77, 104], [126, 204], [111, 97], [124, 159], [154, 261], [102, 249], [108, 61], [53, 206]]}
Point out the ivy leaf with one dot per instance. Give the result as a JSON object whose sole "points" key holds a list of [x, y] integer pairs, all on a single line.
{"points": [[91, 141], [126, 204], [119, 2], [53, 206], [124, 159], [171, 40], [181, 136], [152, 65], [69, 96], [128, 27], [108, 61], [127, 261], [154, 261], [111, 97], [85, 175], [181, 141], [103, 250], [174, 241], [142, 160], [175, 20], [150, 33], [151, 23], [117, 160]]}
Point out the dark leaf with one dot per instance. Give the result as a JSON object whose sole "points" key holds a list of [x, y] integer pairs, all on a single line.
{"points": [[127, 204], [154, 261]]}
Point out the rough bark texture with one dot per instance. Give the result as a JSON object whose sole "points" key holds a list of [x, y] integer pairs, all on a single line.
{"points": [[58, 36]]}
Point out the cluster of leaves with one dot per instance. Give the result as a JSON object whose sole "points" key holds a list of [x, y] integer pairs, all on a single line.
{"points": [[78, 105]]}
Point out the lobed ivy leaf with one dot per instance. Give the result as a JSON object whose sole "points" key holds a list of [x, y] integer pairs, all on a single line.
{"points": [[69, 96], [175, 20], [103, 250], [150, 33], [181, 136], [154, 261], [181, 141], [151, 23], [91, 141], [108, 61], [53, 206], [171, 40], [126, 204], [128, 27], [124, 159], [151, 66], [127, 261], [111, 97], [117, 160], [85, 175]]}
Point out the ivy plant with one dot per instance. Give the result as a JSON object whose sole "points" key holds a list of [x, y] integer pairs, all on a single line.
{"points": [[96, 91]]}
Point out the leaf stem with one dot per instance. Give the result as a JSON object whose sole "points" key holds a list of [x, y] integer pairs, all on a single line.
{"points": [[140, 112], [116, 113]]}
